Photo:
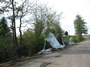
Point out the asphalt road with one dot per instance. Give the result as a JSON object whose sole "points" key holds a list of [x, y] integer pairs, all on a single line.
{"points": [[74, 56]]}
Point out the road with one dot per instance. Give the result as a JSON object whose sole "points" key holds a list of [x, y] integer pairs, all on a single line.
{"points": [[74, 56]]}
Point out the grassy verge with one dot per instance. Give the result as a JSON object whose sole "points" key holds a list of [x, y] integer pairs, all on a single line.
{"points": [[73, 39], [89, 36]]}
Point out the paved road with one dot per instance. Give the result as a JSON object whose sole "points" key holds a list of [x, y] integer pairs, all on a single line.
{"points": [[75, 56]]}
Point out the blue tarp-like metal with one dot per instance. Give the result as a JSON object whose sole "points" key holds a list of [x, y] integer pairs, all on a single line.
{"points": [[53, 41]]}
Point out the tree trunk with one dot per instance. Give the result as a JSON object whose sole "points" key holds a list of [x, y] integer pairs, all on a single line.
{"points": [[79, 36], [14, 25], [20, 30], [15, 47], [13, 31]]}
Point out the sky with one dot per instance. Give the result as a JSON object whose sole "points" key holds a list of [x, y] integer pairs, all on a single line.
{"points": [[70, 9]]}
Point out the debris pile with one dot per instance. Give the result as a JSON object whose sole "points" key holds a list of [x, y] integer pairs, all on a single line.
{"points": [[54, 43]]}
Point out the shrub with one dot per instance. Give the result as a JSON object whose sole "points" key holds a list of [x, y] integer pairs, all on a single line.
{"points": [[31, 44]]}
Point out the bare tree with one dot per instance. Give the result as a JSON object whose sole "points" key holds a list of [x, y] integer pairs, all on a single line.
{"points": [[23, 10], [8, 6], [13, 23]]}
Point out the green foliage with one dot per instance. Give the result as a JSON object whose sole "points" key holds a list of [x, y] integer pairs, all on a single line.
{"points": [[66, 38], [2, 50], [31, 44], [72, 39], [39, 26], [80, 27], [6, 50], [4, 29], [75, 40], [6, 42], [32, 40], [89, 36], [48, 20]]}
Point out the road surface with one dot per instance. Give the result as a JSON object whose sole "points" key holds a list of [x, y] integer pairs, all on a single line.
{"points": [[74, 56]]}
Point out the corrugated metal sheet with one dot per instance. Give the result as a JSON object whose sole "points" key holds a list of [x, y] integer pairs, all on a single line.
{"points": [[53, 41]]}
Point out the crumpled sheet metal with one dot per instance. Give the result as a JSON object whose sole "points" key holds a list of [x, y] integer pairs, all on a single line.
{"points": [[47, 51], [53, 41]]}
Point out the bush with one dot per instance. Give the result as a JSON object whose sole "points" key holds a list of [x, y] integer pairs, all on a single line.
{"points": [[5, 48], [71, 38], [74, 39], [31, 44], [67, 38]]}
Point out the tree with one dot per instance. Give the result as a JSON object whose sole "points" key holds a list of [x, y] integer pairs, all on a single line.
{"points": [[32, 42], [66, 33], [48, 20], [45, 18], [14, 23], [9, 6], [4, 29], [80, 27], [39, 14], [23, 10]]}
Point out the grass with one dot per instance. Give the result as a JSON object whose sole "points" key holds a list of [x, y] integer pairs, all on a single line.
{"points": [[73, 39], [89, 36]]}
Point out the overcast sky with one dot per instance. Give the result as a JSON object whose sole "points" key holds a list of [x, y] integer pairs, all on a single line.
{"points": [[70, 9]]}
